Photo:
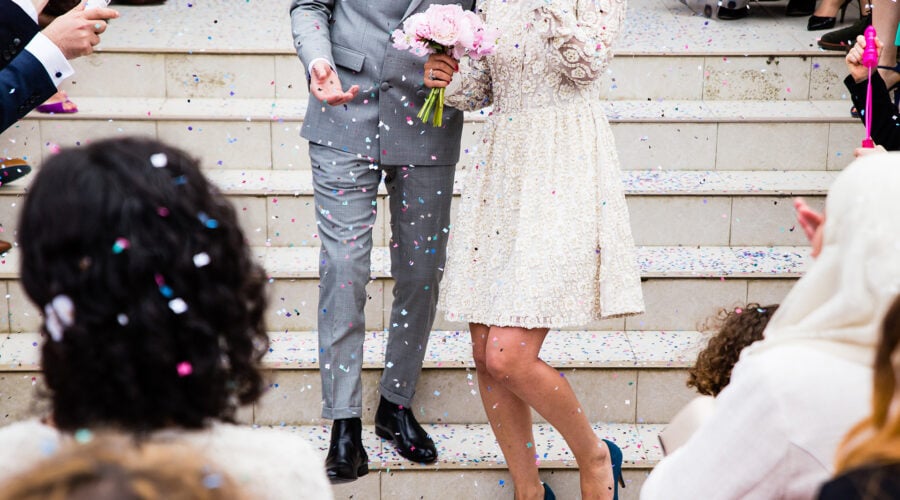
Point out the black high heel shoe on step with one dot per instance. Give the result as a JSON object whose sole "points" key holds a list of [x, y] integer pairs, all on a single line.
{"points": [[817, 23], [616, 457], [548, 493]]}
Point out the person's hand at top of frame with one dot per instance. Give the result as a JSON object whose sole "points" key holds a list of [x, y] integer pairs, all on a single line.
{"points": [[325, 85], [439, 69], [77, 31], [855, 56], [859, 152], [809, 219]]}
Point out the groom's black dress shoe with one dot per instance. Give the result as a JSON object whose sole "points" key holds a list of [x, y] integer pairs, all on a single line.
{"points": [[347, 459], [398, 424]]}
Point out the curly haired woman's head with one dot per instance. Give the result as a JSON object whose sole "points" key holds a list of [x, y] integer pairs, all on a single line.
{"points": [[153, 302], [735, 330]]}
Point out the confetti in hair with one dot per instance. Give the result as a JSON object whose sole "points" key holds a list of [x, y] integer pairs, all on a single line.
{"points": [[201, 259], [120, 245], [178, 305], [159, 160]]}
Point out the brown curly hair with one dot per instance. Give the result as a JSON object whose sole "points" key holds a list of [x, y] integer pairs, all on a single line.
{"points": [[115, 467], [735, 330]]}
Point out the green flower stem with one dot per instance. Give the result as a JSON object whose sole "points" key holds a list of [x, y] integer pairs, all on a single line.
{"points": [[434, 102]]}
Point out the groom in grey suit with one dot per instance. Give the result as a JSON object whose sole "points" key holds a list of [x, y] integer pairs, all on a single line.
{"points": [[361, 125]]}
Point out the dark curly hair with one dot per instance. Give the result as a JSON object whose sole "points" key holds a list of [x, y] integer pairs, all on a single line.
{"points": [[736, 330], [168, 301]]}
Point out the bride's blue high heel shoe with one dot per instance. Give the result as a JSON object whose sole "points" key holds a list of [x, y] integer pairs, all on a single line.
{"points": [[548, 493], [615, 456]]}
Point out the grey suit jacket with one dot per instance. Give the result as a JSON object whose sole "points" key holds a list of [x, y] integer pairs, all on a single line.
{"points": [[381, 122]]}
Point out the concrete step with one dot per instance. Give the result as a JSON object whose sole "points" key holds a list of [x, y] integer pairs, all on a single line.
{"points": [[665, 52], [666, 262], [260, 133], [471, 465], [448, 350], [277, 73], [667, 207], [619, 376], [684, 286]]}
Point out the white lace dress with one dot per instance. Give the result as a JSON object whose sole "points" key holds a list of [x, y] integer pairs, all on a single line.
{"points": [[542, 238]]}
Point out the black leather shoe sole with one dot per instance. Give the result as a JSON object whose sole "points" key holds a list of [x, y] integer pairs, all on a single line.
{"points": [[346, 476]]}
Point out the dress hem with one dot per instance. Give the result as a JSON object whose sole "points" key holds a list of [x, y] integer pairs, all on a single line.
{"points": [[531, 322]]}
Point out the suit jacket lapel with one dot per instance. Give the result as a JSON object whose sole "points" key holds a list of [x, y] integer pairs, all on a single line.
{"points": [[413, 5]]}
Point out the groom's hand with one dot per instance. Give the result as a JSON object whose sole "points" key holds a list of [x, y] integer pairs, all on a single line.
{"points": [[325, 85]]}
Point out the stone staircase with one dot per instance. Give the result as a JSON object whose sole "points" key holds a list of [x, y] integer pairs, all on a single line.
{"points": [[718, 124]]}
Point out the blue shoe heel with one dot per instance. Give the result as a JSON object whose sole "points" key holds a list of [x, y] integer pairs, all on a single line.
{"points": [[548, 493], [615, 456]]}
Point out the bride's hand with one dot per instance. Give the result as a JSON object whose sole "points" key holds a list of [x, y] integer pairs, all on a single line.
{"points": [[439, 69]]}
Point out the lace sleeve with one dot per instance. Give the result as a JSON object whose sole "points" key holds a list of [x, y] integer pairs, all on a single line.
{"points": [[581, 36], [474, 89]]}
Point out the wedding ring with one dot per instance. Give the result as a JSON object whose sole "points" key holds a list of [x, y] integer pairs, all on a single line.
{"points": [[431, 74]]}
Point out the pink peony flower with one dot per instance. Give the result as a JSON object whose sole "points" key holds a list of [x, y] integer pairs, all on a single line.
{"points": [[418, 26], [446, 23]]}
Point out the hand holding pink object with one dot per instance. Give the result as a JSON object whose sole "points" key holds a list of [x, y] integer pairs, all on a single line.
{"points": [[443, 29]]}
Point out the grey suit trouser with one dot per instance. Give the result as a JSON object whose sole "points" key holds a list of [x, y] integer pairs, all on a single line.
{"points": [[346, 188]]}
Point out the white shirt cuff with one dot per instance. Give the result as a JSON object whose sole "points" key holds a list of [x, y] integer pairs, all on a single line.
{"points": [[314, 61], [51, 57], [28, 7]]}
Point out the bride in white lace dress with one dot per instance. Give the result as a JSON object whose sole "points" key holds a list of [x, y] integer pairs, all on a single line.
{"points": [[542, 238]]}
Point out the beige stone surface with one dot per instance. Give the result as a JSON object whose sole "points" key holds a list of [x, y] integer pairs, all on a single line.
{"points": [[18, 397], [289, 150], [654, 77], [774, 78], [233, 144], [777, 146], [843, 139], [767, 220], [251, 214], [290, 77], [69, 133], [225, 75], [826, 79], [661, 393], [117, 75], [765, 292], [684, 146], [682, 304], [23, 315], [10, 211], [680, 220]]}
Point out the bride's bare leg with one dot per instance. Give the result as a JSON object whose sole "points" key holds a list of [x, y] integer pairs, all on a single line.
{"points": [[511, 358], [828, 8], [510, 420]]}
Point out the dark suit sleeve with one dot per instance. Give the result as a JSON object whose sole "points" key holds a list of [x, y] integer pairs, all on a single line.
{"points": [[16, 30], [23, 85], [885, 122]]}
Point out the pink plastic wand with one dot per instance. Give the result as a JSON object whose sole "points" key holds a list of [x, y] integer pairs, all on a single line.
{"points": [[869, 60]]}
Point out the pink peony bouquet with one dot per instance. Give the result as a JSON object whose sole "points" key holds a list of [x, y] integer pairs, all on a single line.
{"points": [[446, 29]]}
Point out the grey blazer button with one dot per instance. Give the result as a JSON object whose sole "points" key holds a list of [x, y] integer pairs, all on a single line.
{"points": [[385, 86], [420, 92]]}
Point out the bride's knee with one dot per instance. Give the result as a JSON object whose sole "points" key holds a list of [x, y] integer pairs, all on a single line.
{"points": [[504, 365]]}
